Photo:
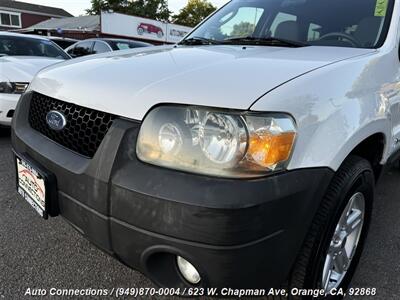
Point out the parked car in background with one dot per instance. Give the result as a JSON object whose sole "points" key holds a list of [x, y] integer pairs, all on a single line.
{"points": [[97, 46], [62, 42], [21, 57]]}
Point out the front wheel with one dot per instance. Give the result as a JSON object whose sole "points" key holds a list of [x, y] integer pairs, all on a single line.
{"points": [[334, 244]]}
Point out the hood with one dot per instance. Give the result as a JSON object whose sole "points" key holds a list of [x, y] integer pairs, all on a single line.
{"points": [[129, 83], [23, 68]]}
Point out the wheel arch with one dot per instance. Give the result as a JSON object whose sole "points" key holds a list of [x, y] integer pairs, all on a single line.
{"points": [[372, 148]]}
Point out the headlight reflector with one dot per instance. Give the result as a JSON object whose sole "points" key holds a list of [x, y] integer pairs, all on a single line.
{"points": [[170, 139], [222, 137], [213, 142]]}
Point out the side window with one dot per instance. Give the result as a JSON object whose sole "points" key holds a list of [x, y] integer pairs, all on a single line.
{"points": [[71, 51], [100, 47], [5, 19], [9, 19], [124, 46], [15, 21], [314, 32], [83, 48], [279, 20], [242, 24]]}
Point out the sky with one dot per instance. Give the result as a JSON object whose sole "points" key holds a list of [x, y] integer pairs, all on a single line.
{"points": [[78, 7]]}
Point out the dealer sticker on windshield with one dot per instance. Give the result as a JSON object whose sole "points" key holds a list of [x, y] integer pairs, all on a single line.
{"points": [[381, 8], [31, 186]]}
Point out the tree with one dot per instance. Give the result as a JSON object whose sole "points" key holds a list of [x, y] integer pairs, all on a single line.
{"points": [[152, 9], [194, 12], [104, 5], [242, 29]]}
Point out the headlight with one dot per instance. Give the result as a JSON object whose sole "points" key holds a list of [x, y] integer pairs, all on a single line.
{"points": [[13, 87], [206, 141]]}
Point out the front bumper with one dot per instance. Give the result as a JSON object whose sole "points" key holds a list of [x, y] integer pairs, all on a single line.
{"points": [[8, 102], [238, 233]]}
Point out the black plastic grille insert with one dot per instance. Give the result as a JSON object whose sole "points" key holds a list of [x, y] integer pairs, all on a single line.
{"points": [[85, 128]]}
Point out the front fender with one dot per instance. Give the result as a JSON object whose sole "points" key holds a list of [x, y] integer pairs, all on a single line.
{"points": [[336, 108]]}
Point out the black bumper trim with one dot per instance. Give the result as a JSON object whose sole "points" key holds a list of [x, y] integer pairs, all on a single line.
{"points": [[194, 244], [166, 237]]}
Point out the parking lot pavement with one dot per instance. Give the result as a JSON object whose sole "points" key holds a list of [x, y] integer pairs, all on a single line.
{"points": [[38, 254]]}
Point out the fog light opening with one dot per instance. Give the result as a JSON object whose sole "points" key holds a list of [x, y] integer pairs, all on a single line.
{"points": [[188, 271]]}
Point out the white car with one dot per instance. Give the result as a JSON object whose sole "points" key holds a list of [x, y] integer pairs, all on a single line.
{"points": [[102, 45], [245, 156], [21, 57]]}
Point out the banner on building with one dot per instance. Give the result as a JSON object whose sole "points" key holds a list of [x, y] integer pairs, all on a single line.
{"points": [[142, 28]]}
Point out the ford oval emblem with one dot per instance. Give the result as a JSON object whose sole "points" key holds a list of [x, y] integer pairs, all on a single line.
{"points": [[56, 120]]}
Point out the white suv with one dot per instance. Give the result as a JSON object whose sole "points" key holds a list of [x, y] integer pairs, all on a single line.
{"points": [[21, 57], [244, 156]]}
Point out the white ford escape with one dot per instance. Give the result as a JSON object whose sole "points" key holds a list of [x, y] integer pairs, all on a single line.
{"points": [[244, 156]]}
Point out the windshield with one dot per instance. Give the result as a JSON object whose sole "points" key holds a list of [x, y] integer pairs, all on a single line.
{"points": [[26, 46], [342, 23]]}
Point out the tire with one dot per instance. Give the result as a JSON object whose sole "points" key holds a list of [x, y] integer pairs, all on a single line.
{"points": [[354, 177]]}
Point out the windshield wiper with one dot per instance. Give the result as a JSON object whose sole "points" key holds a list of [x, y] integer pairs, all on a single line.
{"points": [[3, 54], [265, 41], [198, 40]]}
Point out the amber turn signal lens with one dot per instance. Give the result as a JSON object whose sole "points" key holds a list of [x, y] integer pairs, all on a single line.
{"points": [[268, 149]]}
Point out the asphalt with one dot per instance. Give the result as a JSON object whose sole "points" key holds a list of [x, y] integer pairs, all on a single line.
{"points": [[42, 254]]}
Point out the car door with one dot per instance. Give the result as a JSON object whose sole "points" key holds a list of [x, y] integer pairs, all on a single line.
{"points": [[390, 95]]}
